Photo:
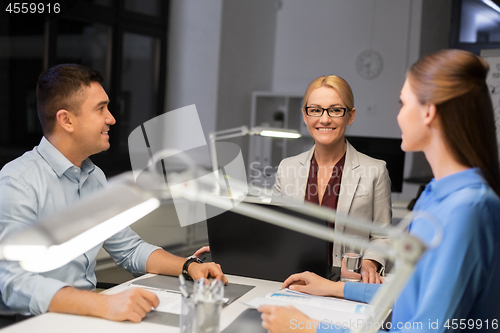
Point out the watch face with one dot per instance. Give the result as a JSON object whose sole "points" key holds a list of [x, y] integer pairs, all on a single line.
{"points": [[369, 64]]}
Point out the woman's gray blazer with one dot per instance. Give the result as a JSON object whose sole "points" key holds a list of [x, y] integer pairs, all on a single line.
{"points": [[365, 192]]}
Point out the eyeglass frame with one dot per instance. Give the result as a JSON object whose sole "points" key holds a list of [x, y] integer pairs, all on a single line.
{"points": [[321, 115]]}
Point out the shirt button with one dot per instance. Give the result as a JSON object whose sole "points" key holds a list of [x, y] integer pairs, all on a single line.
{"points": [[75, 170]]}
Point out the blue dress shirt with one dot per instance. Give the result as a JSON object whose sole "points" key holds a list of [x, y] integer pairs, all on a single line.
{"points": [[456, 283], [37, 185]]}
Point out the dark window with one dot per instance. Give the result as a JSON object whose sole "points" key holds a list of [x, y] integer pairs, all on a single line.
{"points": [[124, 39]]}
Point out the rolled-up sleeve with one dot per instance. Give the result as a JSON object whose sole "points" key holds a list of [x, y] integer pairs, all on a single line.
{"points": [[20, 290], [129, 251]]}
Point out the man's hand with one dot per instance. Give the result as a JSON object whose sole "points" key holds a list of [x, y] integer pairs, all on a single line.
{"points": [[162, 262], [197, 271], [201, 251], [282, 319], [313, 284], [132, 304], [369, 272]]}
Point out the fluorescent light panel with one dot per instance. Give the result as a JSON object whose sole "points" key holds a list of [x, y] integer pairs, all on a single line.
{"points": [[280, 134], [492, 5]]}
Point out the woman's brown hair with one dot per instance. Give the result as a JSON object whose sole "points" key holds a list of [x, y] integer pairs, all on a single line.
{"points": [[455, 81]]}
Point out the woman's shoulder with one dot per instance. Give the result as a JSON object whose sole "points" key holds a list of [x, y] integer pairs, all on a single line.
{"points": [[478, 197]]}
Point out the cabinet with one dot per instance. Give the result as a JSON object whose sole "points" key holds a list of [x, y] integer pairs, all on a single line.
{"points": [[274, 110]]}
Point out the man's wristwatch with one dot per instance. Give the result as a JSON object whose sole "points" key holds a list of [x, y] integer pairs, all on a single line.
{"points": [[188, 262]]}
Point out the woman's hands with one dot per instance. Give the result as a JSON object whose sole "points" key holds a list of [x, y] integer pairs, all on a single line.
{"points": [[313, 284], [283, 319], [369, 272]]}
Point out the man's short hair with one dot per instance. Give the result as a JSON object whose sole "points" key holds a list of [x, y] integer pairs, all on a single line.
{"points": [[60, 87]]}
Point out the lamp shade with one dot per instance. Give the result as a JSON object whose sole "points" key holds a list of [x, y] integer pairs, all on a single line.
{"points": [[55, 241]]}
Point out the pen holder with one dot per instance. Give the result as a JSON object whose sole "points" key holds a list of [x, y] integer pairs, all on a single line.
{"points": [[201, 310], [207, 306], [187, 315], [207, 316]]}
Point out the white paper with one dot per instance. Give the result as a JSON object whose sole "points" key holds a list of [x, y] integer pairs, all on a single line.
{"points": [[325, 316], [493, 81], [170, 302], [329, 311], [330, 303]]}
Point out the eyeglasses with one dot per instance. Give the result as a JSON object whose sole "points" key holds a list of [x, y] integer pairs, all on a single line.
{"points": [[315, 111]]}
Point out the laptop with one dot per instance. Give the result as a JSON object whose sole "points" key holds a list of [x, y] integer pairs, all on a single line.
{"points": [[250, 247]]}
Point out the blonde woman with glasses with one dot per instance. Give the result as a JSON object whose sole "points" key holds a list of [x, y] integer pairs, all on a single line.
{"points": [[334, 174]]}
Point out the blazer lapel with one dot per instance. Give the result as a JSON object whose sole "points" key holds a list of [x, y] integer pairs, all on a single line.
{"points": [[349, 182], [302, 181]]}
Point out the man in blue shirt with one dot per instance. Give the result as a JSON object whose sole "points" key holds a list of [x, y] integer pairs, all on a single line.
{"points": [[73, 110]]}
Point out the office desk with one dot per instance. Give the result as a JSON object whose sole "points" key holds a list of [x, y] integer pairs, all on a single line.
{"points": [[55, 323]]}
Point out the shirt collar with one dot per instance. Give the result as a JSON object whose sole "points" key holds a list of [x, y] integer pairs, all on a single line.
{"points": [[58, 162], [455, 182]]}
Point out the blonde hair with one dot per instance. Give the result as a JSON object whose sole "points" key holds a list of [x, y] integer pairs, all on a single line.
{"points": [[455, 81], [331, 81]]}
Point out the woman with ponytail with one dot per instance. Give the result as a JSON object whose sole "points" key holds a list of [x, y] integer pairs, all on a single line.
{"points": [[446, 112]]}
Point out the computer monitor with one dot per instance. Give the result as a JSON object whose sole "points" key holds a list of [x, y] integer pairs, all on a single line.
{"points": [[387, 149], [250, 247]]}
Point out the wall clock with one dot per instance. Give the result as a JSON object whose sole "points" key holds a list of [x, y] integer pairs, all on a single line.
{"points": [[369, 64]]}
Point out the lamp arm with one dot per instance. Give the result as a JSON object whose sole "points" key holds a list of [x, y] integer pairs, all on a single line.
{"points": [[405, 246], [221, 135], [229, 133], [308, 208]]}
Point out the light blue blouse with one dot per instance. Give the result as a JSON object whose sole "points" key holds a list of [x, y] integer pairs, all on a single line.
{"points": [[455, 284], [37, 185]]}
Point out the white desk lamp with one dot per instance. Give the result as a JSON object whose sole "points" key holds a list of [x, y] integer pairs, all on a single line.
{"points": [[55, 241], [91, 221], [242, 131]]}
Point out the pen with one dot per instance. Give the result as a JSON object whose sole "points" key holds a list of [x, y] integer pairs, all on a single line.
{"points": [[212, 285], [182, 286]]}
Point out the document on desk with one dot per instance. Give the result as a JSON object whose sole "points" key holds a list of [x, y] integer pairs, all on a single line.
{"points": [[170, 302], [325, 309], [232, 291]]}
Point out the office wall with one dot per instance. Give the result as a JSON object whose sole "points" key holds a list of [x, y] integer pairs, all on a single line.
{"points": [[325, 37], [193, 58], [246, 60], [436, 26]]}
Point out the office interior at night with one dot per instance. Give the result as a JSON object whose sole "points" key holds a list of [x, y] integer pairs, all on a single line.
{"points": [[242, 62]]}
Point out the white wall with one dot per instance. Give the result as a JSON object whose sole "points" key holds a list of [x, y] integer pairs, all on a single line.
{"points": [[246, 60], [193, 57]]}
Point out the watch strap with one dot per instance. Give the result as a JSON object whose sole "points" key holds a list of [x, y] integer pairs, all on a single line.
{"points": [[185, 267]]}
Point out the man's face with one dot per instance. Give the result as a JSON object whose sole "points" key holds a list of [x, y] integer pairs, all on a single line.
{"points": [[92, 123]]}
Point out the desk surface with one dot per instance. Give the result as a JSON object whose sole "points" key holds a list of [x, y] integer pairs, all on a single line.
{"points": [[54, 322]]}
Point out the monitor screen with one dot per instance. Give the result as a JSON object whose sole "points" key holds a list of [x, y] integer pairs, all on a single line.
{"points": [[387, 149], [250, 247]]}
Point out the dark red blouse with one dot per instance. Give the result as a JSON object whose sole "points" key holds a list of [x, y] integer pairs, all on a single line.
{"points": [[332, 190]]}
